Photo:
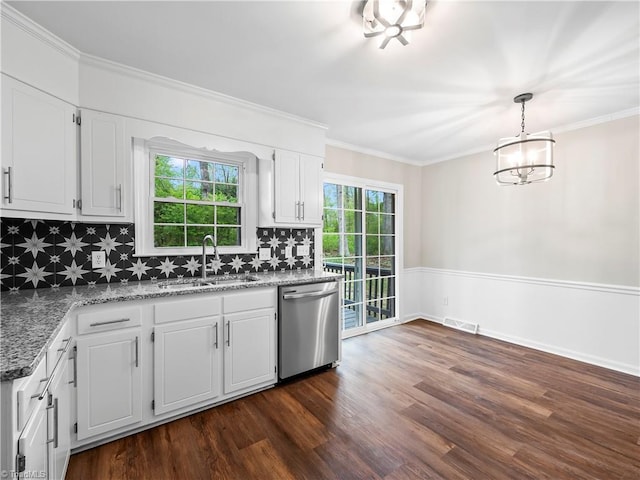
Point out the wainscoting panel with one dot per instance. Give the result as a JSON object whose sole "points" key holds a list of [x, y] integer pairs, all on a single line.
{"points": [[597, 324]]}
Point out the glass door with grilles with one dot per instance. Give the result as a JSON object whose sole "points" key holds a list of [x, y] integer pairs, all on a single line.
{"points": [[359, 241]]}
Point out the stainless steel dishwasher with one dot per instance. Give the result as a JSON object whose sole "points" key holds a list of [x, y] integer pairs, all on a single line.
{"points": [[309, 327]]}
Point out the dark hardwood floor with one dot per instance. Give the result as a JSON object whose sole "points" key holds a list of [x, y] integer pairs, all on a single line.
{"points": [[414, 401]]}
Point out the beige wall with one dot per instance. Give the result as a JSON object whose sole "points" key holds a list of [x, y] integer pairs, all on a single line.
{"points": [[355, 164], [582, 225]]}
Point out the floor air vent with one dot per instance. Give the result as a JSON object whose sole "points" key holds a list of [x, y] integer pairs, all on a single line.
{"points": [[460, 325]]}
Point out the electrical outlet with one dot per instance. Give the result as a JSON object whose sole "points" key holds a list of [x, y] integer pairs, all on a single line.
{"points": [[445, 300], [264, 254], [98, 259], [288, 252], [302, 250]]}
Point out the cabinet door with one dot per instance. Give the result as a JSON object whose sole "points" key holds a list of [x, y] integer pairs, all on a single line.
{"points": [[38, 151], [102, 164], [250, 344], [311, 194], [59, 424], [287, 187], [109, 382], [32, 444], [186, 363]]}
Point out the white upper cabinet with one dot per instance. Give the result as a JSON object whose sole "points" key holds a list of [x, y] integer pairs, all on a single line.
{"points": [[311, 194], [38, 153], [291, 190], [102, 165]]}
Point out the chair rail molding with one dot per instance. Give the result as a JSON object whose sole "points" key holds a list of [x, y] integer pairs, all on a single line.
{"points": [[590, 322]]}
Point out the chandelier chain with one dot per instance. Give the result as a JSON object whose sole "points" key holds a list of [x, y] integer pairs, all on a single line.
{"points": [[522, 116]]}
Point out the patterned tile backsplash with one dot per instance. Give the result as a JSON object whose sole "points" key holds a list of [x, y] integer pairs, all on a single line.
{"points": [[45, 253]]}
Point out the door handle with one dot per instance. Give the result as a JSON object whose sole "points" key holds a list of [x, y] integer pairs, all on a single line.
{"points": [[137, 359], [228, 334], [294, 296], [302, 216], [216, 341]]}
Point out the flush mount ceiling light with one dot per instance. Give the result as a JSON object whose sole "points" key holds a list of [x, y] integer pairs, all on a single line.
{"points": [[524, 159], [392, 19]]}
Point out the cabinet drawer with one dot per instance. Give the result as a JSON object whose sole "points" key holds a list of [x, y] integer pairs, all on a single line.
{"points": [[28, 392], [58, 347], [108, 319], [250, 299], [193, 306]]}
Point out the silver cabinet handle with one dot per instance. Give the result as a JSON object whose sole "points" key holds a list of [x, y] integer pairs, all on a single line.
{"points": [[228, 334], [297, 210], [62, 349], [40, 395], [74, 357], [137, 357], [54, 440], [53, 372], [293, 296], [216, 342], [55, 423], [108, 322], [9, 196], [119, 189]]}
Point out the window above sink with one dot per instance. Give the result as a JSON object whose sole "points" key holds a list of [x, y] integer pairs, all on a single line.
{"points": [[187, 193]]}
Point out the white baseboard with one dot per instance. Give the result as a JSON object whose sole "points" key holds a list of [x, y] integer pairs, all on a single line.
{"points": [[563, 352], [593, 323]]}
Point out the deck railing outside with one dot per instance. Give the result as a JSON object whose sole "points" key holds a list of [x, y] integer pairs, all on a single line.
{"points": [[379, 284]]}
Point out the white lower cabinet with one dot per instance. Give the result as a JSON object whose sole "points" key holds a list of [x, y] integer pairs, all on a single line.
{"points": [[144, 362], [109, 384], [33, 454], [249, 355], [59, 422], [186, 359], [210, 347], [41, 420]]}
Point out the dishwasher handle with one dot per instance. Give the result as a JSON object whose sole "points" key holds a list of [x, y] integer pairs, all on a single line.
{"points": [[321, 293]]}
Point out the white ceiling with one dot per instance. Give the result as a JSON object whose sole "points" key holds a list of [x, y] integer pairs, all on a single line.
{"points": [[449, 92]]}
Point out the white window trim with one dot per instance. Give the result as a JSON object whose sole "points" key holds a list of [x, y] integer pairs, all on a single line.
{"points": [[398, 190], [144, 179]]}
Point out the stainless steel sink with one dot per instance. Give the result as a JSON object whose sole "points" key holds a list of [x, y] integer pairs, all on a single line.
{"points": [[227, 279], [205, 282]]}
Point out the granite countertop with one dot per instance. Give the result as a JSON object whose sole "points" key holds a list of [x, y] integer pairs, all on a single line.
{"points": [[30, 319]]}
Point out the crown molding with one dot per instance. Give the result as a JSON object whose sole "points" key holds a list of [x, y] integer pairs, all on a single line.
{"points": [[41, 34], [30, 27], [372, 152], [136, 73], [630, 112]]}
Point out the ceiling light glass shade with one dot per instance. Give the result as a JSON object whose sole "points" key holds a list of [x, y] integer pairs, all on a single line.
{"points": [[524, 159], [392, 19]]}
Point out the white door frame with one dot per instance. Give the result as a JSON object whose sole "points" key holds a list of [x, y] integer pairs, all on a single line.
{"points": [[398, 190]]}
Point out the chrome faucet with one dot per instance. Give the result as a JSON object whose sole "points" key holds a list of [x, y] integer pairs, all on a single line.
{"points": [[216, 256]]}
